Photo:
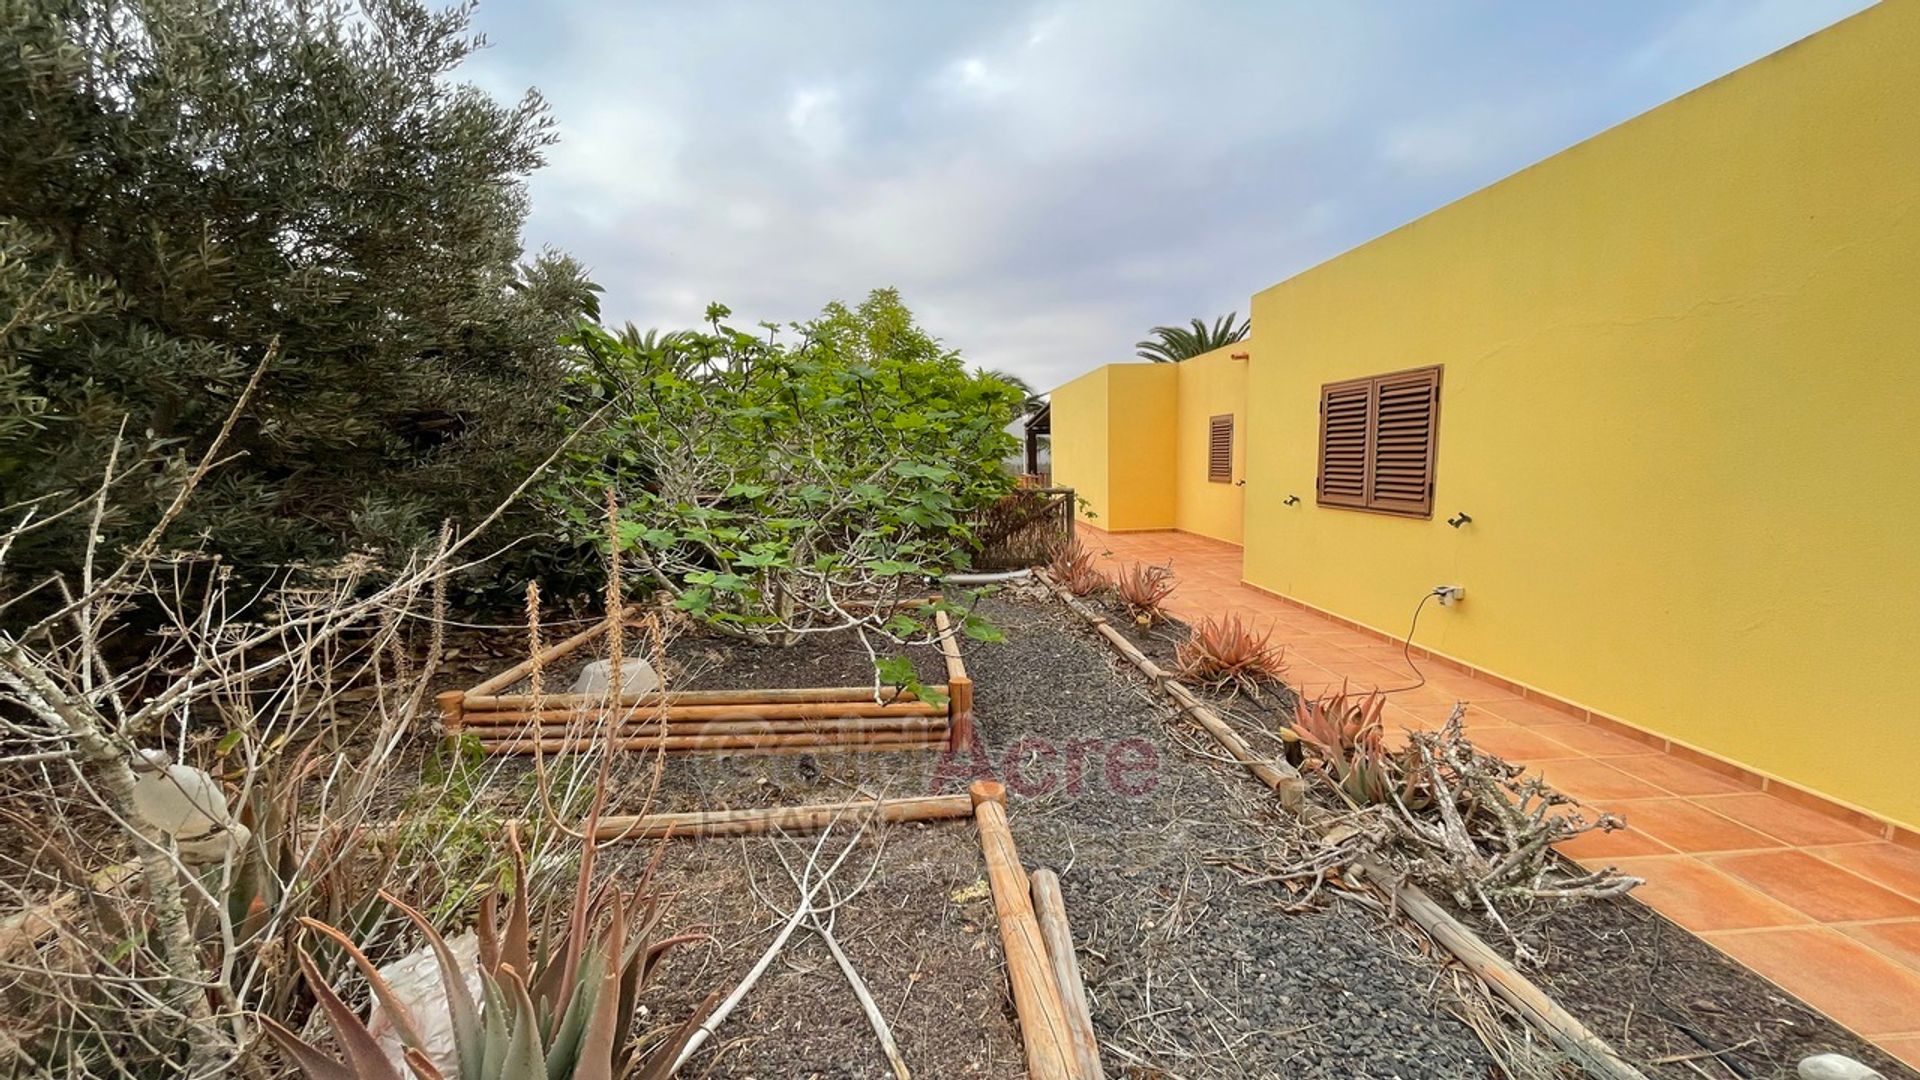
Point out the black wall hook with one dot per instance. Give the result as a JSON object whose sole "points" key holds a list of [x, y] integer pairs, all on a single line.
{"points": [[1459, 519], [1290, 500]]}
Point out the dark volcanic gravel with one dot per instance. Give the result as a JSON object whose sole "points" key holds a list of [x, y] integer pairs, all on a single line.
{"points": [[1191, 969], [1656, 992]]}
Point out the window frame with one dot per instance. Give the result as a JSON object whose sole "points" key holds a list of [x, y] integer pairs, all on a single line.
{"points": [[1213, 426], [1367, 502]]}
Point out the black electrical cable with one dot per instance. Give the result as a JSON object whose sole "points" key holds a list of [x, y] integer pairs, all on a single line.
{"points": [[1406, 647]]}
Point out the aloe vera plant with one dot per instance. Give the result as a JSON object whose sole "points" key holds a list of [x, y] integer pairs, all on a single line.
{"points": [[558, 1009], [1227, 649], [1346, 739], [1073, 568], [1143, 590]]}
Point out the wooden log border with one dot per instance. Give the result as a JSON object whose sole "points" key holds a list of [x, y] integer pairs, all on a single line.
{"points": [[1044, 1033], [1284, 780], [1050, 907], [1576, 1040], [782, 720], [761, 820]]}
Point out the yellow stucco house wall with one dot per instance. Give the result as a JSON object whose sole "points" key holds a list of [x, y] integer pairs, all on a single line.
{"points": [[1680, 400], [1132, 441]]}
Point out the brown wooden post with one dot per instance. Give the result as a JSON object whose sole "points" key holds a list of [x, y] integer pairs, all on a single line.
{"points": [[1036, 997], [453, 707], [1050, 907], [959, 713]]}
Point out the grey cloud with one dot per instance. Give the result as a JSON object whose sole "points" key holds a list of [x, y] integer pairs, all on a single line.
{"points": [[1044, 181]]}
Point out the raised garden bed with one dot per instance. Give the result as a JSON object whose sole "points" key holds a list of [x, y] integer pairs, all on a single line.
{"points": [[503, 714]]}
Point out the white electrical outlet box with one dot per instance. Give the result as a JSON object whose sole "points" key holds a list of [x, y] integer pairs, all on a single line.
{"points": [[1450, 594]]}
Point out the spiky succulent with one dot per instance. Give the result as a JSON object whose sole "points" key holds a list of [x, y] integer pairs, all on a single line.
{"points": [[1073, 568], [1226, 649], [1143, 589], [1346, 740], [561, 1009]]}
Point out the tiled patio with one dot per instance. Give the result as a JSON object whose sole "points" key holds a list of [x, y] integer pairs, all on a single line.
{"points": [[1826, 909]]}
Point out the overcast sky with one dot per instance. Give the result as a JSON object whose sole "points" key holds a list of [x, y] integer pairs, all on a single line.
{"points": [[1045, 181]]}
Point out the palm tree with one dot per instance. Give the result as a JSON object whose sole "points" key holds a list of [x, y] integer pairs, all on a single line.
{"points": [[1031, 400], [651, 340], [1172, 344]]}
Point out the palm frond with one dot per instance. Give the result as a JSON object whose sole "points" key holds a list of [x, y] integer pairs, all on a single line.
{"points": [[1172, 344]]}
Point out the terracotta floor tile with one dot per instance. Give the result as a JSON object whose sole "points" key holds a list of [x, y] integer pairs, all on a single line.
{"points": [[1520, 745], [1833, 973], [1677, 776], [1701, 898], [1595, 741], [1687, 826], [1899, 940], [1527, 713], [1904, 1047], [1431, 717], [1587, 780], [1780, 818], [1888, 865], [1816, 887], [1423, 695], [1604, 848]]}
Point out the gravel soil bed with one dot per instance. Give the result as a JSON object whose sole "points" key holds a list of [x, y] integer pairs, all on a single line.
{"points": [[1192, 970], [1653, 990], [1657, 993]]}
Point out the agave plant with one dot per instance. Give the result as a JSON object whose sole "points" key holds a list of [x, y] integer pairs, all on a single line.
{"points": [[561, 1009], [1225, 649], [1345, 740], [1143, 590]]}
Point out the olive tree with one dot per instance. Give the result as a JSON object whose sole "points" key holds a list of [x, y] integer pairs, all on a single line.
{"points": [[184, 181]]}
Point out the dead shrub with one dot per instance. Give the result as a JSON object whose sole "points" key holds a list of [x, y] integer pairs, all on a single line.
{"points": [[1027, 527]]}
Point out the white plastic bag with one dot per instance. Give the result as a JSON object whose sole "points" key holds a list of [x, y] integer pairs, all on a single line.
{"points": [[415, 979]]}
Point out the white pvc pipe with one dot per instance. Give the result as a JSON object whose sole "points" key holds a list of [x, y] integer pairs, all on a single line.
{"points": [[986, 579]]}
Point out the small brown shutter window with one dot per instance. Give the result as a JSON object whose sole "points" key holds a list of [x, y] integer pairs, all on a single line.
{"points": [[1344, 413], [1377, 441], [1220, 449]]}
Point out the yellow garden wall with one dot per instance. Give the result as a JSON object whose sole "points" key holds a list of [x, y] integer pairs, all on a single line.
{"points": [[1113, 444], [1140, 415], [1211, 384], [1681, 402], [1131, 440], [1078, 444]]}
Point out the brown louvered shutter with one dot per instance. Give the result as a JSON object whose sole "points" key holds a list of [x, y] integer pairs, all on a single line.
{"points": [[1346, 411], [1220, 449], [1377, 442], [1405, 408]]}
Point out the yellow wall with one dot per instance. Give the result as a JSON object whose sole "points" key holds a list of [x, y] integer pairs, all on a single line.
{"points": [[1211, 384], [1140, 416], [1131, 440], [1113, 445], [1681, 402], [1079, 441]]}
